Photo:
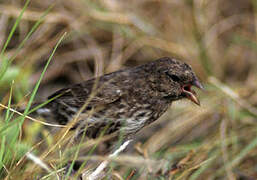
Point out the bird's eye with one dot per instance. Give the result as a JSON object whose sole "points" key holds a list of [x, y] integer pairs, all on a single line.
{"points": [[173, 77]]}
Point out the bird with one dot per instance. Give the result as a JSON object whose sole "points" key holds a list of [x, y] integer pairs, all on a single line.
{"points": [[124, 101]]}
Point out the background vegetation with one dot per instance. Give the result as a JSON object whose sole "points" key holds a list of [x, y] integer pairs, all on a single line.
{"points": [[217, 37]]}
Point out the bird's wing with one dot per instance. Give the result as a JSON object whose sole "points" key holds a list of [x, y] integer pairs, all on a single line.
{"points": [[88, 92], [67, 102]]}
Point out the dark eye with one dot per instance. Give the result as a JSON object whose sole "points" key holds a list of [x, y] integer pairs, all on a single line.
{"points": [[173, 77]]}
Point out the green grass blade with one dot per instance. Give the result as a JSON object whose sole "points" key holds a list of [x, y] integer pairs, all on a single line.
{"points": [[14, 27], [33, 29], [9, 105], [243, 153], [5, 62], [41, 77], [239, 157], [2, 150], [205, 166], [44, 103]]}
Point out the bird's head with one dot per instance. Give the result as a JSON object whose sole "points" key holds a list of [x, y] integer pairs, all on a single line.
{"points": [[179, 78]]}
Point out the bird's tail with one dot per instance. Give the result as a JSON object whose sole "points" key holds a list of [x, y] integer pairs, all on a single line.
{"points": [[39, 109], [36, 109]]}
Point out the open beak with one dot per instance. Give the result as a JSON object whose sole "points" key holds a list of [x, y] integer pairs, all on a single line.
{"points": [[190, 93]]}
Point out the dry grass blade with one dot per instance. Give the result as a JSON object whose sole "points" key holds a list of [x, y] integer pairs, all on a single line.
{"points": [[98, 173], [31, 118], [217, 38], [233, 95]]}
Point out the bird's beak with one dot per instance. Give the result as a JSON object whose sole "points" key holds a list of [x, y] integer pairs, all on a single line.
{"points": [[190, 93], [197, 84]]}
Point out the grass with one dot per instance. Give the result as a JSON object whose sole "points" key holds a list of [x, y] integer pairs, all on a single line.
{"points": [[215, 141]]}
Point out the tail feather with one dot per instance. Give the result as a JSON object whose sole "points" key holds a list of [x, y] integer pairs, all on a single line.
{"points": [[43, 111]]}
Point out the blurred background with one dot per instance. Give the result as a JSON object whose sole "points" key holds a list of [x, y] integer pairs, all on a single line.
{"points": [[217, 38]]}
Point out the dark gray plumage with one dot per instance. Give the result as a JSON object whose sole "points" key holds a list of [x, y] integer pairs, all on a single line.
{"points": [[126, 100]]}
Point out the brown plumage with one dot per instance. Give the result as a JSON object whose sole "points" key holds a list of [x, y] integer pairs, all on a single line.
{"points": [[126, 100]]}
